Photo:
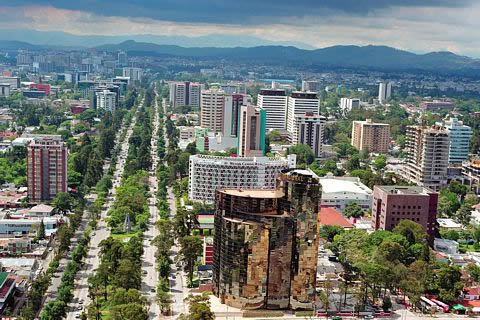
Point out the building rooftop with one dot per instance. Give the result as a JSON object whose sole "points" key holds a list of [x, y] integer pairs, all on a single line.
{"points": [[347, 184], [448, 223], [254, 193], [406, 190], [42, 208], [331, 217]]}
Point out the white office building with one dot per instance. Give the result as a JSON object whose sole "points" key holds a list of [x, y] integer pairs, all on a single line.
{"points": [[348, 104], [309, 129], [106, 100], [26, 226], [384, 91], [4, 89], [460, 137], [14, 82], [338, 192], [135, 74], [209, 173], [274, 102], [299, 104]]}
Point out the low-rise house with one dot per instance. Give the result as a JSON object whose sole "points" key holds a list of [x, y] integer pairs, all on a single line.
{"points": [[449, 224], [445, 246], [338, 192], [472, 293], [331, 217], [40, 210]]}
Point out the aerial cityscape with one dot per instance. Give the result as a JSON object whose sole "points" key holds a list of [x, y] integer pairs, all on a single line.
{"points": [[201, 160]]}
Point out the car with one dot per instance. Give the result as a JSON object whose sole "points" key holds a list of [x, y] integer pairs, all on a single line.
{"points": [[50, 249], [80, 302], [336, 318], [369, 317], [145, 272], [80, 308], [77, 316], [152, 290]]}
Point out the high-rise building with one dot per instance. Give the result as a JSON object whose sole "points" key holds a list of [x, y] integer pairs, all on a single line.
{"points": [[427, 156], [311, 86], [209, 173], [392, 204], [274, 102], [122, 58], [384, 91], [46, 168], [106, 100], [460, 137], [266, 244], [471, 174], [185, 94], [370, 136], [251, 133], [348, 104], [308, 129], [135, 74], [300, 103], [212, 104], [231, 111]]}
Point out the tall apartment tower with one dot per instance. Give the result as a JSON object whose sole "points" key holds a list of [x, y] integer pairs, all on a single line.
{"points": [[251, 138], [274, 102], [46, 168], [460, 137], [384, 91], [135, 74], [309, 129], [392, 204], [348, 104], [231, 112], [427, 156], [370, 136], [266, 244], [300, 103], [212, 104], [185, 94], [122, 58], [106, 100], [311, 86]]}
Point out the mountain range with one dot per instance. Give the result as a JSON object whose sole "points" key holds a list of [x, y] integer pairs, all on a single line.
{"points": [[58, 38], [369, 57], [380, 57]]}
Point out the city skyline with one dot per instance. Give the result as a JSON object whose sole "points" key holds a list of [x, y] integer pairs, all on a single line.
{"points": [[418, 26]]}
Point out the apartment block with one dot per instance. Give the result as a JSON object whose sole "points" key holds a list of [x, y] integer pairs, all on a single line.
{"points": [[212, 104], [251, 138], [427, 156], [106, 100], [299, 104], [384, 91], [392, 204], [311, 86], [274, 102], [309, 129], [266, 244], [460, 137], [46, 168], [370, 136], [185, 94]]}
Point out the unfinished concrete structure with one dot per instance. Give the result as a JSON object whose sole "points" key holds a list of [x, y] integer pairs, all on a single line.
{"points": [[266, 244]]}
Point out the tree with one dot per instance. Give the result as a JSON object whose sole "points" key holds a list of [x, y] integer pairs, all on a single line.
{"points": [[199, 308], [131, 311], [305, 155], [464, 214], [387, 304], [353, 210], [329, 232], [448, 283], [353, 163], [63, 202], [380, 162], [191, 249], [164, 300], [412, 231], [54, 310], [41, 231]]}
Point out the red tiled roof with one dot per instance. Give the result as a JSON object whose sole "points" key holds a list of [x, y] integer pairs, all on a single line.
{"points": [[331, 217], [474, 291], [471, 303]]}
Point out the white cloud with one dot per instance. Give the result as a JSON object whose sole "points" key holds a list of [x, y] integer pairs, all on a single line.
{"points": [[419, 29]]}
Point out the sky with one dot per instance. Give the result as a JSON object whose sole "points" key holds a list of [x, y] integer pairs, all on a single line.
{"points": [[414, 25]]}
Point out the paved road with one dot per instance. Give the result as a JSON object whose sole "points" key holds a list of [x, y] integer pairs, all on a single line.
{"points": [[150, 275], [92, 261]]}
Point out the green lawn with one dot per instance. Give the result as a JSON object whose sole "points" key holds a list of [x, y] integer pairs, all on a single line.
{"points": [[124, 236]]}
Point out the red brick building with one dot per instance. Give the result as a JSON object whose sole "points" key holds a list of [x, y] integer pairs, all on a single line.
{"points": [[392, 204]]}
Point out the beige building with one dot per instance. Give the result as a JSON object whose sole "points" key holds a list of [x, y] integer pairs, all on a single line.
{"points": [[212, 103], [427, 156], [374, 137]]}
